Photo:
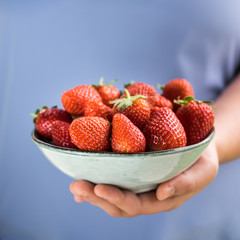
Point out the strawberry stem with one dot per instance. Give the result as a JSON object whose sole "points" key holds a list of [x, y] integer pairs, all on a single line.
{"points": [[33, 115], [127, 94], [102, 84], [101, 81]]}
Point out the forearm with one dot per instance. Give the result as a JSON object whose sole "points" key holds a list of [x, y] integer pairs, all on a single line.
{"points": [[227, 123]]}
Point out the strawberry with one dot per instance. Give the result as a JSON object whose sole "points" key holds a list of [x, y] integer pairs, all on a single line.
{"points": [[177, 89], [158, 100], [98, 109], [153, 110], [126, 137], [197, 118], [107, 92], [60, 134], [154, 99], [44, 118], [91, 134], [136, 108], [73, 100], [164, 131], [140, 89]]}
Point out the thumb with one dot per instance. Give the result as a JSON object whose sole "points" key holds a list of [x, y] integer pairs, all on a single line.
{"points": [[191, 181]]}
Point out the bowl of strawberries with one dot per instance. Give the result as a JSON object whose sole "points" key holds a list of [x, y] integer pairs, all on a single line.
{"points": [[134, 140]]}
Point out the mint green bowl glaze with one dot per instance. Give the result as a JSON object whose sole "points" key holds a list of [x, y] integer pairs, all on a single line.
{"points": [[138, 173]]}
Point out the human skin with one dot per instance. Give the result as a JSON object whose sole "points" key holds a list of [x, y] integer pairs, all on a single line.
{"points": [[173, 193]]}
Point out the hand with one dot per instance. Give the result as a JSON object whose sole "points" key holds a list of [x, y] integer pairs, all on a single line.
{"points": [[168, 196]]}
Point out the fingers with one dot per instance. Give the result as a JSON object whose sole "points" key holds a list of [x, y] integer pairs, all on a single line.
{"points": [[127, 201], [84, 191], [110, 193], [114, 201], [81, 188], [118, 203], [132, 204], [78, 198]]}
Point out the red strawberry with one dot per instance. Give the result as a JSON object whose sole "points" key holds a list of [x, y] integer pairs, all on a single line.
{"points": [[73, 100], [153, 110], [154, 99], [107, 92], [126, 137], [91, 134], [60, 134], [136, 108], [164, 131], [177, 89], [197, 118], [44, 119], [98, 109], [159, 101], [140, 89]]}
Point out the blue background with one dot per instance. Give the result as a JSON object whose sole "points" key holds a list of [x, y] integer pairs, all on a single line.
{"points": [[45, 50], [47, 47]]}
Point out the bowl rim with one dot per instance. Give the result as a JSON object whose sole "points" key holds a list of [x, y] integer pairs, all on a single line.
{"points": [[79, 152]]}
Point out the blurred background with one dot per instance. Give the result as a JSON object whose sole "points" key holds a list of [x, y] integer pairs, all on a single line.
{"points": [[47, 47]]}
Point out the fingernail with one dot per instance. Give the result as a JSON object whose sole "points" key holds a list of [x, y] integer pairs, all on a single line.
{"points": [[169, 191]]}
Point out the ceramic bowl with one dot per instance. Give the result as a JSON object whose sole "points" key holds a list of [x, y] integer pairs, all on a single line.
{"points": [[138, 173]]}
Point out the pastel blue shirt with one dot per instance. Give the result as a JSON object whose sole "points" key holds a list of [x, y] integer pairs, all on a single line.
{"points": [[47, 47]]}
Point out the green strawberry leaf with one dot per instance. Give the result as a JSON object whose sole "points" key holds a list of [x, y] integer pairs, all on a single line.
{"points": [[123, 103], [37, 111], [189, 99], [101, 83], [129, 84], [160, 87]]}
